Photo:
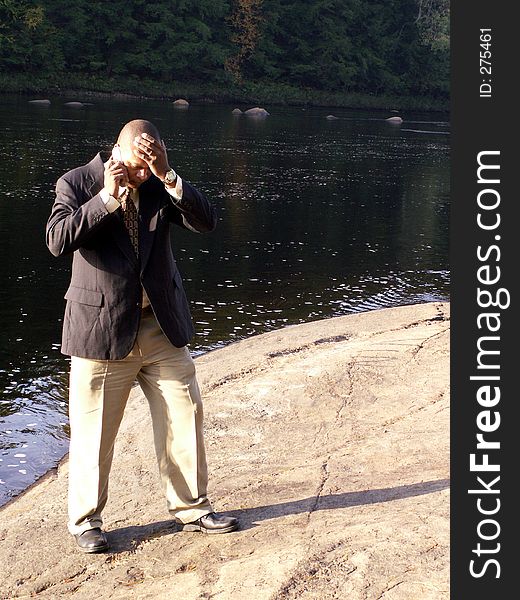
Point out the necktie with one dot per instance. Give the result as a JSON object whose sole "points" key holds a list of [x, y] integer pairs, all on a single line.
{"points": [[130, 217]]}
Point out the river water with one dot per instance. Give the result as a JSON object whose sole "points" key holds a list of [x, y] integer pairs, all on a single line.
{"points": [[317, 218]]}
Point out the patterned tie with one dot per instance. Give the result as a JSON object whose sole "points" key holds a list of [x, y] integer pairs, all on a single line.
{"points": [[130, 217]]}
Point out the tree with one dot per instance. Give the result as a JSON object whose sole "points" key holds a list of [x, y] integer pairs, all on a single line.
{"points": [[379, 47], [27, 38], [433, 22], [245, 21]]}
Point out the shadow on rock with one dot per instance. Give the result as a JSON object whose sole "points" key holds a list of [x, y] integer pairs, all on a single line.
{"points": [[250, 516], [127, 539]]}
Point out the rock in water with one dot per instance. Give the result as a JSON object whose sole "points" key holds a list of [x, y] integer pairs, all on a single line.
{"points": [[332, 117], [43, 102], [236, 111], [74, 104], [256, 112], [181, 103], [396, 120]]}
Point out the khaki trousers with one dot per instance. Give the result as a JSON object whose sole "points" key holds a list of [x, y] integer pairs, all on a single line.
{"points": [[98, 394]]}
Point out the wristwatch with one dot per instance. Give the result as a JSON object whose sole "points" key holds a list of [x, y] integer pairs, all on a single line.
{"points": [[170, 177]]}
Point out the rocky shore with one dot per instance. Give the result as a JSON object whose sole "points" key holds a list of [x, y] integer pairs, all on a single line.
{"points": [[329, 440]]}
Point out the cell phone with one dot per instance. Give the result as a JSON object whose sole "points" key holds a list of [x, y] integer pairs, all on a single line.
{"points": [[116, 153]]}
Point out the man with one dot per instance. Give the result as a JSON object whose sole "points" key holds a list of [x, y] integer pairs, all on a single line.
{"points": [[127, 317]]}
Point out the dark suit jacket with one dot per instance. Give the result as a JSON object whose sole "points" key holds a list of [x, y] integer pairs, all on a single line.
{"points": [[104, 298]]}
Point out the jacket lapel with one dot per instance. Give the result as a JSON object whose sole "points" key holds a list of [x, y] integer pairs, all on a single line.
{"points": [[149, 198]]}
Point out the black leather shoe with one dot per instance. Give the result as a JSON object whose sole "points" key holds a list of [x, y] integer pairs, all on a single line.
{"points": [[212, 523], [92, 540]]}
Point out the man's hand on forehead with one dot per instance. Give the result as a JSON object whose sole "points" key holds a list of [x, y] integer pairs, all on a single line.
{"points": [[148, 146], [153, 152]]}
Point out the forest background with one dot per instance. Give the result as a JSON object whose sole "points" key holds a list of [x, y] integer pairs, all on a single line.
{"points": [[350, 53]]}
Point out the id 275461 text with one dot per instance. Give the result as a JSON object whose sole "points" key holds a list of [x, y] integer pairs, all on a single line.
{"points": [[485, 63]]}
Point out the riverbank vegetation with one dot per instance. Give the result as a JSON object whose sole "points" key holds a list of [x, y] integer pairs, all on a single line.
{"points": [[383, 54]]}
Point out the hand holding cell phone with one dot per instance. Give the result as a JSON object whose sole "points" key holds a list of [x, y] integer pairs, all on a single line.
{"points": [[116, 174], [116, 153]]}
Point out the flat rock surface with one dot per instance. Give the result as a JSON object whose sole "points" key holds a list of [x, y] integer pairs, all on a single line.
{"points": [[329, 440]]}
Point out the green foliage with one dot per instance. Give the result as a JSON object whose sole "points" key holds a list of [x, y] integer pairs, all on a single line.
{"points": [[334, 47], [28, 40], [433, 23]]}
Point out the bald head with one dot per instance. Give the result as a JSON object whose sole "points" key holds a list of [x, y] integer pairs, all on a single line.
{"points": [[134, 129], [138, 170]]}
